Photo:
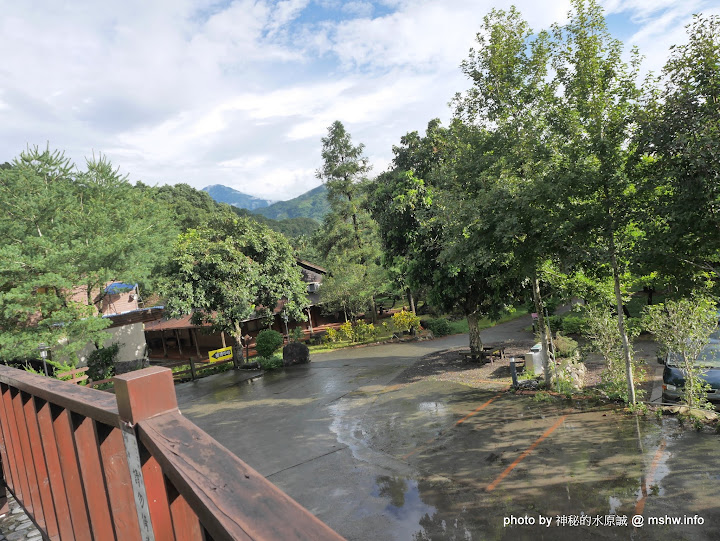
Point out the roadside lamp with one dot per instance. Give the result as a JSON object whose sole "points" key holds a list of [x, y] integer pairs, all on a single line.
{"points": [[44, 353], [285, 319]]}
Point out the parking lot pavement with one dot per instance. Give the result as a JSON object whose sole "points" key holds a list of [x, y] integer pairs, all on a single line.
{"points": [[376, 459]]}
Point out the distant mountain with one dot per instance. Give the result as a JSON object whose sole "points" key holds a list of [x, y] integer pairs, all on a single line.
{"points": [[312, 204], [223, 194]]}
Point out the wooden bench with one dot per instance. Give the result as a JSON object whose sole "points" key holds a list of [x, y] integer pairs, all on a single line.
{"points": [[488, 352]]}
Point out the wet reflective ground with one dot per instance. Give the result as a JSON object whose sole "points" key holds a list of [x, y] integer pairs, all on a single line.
{"points": [[436, 460]]}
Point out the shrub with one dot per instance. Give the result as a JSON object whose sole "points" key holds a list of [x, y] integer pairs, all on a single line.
{"points": [[346, 331], [101, 362], [268, 342], [602, 331], [296, 334], [271, 362], [439, 326], [363, 331], [331, 335], [564, 346], [573, 324], [555, 323], [404, 321]]}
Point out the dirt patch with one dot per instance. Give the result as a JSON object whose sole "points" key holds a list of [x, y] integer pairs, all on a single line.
{"points": [[452, 365]]}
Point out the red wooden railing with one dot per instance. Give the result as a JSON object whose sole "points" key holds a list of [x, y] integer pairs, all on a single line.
{"points": [[87, 465]]}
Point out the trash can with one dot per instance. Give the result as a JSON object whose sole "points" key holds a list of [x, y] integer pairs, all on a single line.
{"points": [[533, 360]]}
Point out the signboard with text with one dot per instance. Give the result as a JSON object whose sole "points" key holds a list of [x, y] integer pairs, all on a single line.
{"points": [[220, 354]]}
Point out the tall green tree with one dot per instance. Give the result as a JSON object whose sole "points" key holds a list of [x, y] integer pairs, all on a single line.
{"points": [[510, 96], [679, 158], [232, 270], [64, 228], [348, 238], [595, 115], [434, 225]]}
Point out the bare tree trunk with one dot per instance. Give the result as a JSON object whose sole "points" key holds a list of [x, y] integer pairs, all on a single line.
{"points": [[411, 300], [543, 329], [474, 333], [621, 325], [237, 335], [374, 309]]}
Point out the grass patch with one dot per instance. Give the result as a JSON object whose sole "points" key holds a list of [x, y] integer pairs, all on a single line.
{"points": [[329, 346], [461, 326]]}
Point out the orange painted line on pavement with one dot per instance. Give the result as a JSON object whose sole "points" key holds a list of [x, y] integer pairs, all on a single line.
{"points": [[640, 506], [529, 450], [473, 412], [478, 409]]}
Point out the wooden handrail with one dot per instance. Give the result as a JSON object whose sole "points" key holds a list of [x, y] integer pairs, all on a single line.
{"points": [[87, 465], [232, 500], [93, 403]]}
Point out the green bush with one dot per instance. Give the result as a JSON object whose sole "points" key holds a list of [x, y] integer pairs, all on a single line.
{"points": [[439, 326], [555, 323], [331, 335], [404, 321], [268, 342], [564, 346], [270, 363], [573, 324], [346, 331], [634, 326], [101, 362], [363, 331], [296, 334]]}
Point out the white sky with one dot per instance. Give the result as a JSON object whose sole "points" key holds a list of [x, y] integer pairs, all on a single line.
{"points": [[240, 93]]}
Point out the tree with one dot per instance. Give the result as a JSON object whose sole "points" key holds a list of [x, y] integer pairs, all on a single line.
{"points": [[233, 270], [447, 249], [397, 199], [509, 98], [344, 168], [594, 115], [115, 229], [683, 327], [63, 228], [347, 239], [678, 156]]}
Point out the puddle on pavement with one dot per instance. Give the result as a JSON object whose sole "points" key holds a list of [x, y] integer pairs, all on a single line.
{"points": [[405, 504]]}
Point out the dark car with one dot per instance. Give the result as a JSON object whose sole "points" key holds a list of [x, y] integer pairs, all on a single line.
{"points": [[709, 360]]}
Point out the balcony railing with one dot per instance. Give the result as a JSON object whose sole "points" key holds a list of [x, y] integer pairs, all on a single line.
{"points": [[87, 465]]}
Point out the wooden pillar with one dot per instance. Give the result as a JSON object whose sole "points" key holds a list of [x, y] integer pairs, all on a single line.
{"points": [[141, 395], [162, 337], [192, 368], [177, 337], [309, 311], [222, 336], [197, 345]]}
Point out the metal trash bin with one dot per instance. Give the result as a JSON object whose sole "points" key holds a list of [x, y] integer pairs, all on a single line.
{"points": [[533, 360]]}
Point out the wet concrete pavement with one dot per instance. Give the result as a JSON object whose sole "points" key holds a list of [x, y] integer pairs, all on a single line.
{"points": [[375, 459]]}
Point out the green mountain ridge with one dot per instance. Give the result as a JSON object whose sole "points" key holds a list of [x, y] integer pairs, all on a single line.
{"points": [[223, 194], [312, 204]]}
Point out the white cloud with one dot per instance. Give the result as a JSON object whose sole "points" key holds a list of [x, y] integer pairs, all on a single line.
{"points": [[241, 92]]}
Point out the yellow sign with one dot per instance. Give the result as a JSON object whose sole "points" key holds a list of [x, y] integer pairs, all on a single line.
{"points": [[220, 354]]}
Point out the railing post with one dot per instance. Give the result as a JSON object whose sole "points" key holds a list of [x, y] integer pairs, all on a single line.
{"points": [[141, 395]]}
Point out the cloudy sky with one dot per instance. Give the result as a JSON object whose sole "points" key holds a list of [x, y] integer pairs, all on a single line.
{"points": [[241, 92]]}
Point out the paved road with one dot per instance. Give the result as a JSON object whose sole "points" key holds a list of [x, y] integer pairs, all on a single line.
{"points": [[437, 460]]}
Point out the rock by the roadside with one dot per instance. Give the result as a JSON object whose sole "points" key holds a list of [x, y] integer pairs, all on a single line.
{"points": [[528, 385], [572, 371], [295, 353]]}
